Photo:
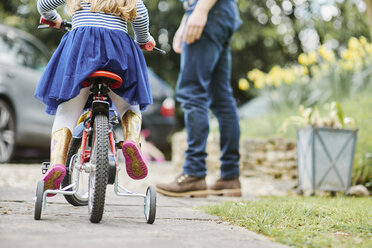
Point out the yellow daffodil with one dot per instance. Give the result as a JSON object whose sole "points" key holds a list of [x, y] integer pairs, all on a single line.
{"points": [[303, 59], [353, 43], [361, 53], [243, 84], [312, 57], [278, 75], [260, 83], [356, 56], [251, 75], [289, 76], [347, 65], [326, 54], [363, 40], [347, 55], [368, 48], [268, 79], [255, 74], [304, 70], [321, 50]]}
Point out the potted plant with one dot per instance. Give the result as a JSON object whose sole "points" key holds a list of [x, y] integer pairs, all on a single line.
{"points": [[325, 150]]}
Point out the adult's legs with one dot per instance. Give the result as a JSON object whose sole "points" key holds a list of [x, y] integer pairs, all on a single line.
{"points": [[197, 64], [224, 108]]}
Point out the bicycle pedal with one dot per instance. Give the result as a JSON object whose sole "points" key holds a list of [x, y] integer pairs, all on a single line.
{"points": [[119, 144], [45, 167]]}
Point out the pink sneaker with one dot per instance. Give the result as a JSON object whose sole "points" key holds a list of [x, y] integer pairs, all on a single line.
{"points": [[54, 177], [135, 164]]}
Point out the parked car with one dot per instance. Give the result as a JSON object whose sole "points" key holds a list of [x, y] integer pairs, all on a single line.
{"points": [[159, 118], [23, 122]]}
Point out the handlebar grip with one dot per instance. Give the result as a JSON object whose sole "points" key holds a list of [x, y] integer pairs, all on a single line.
{"points": [[150, 47], [65, 25], [147, 47], [45, 21]]}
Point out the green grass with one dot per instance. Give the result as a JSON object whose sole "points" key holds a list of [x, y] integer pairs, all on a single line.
{"points": [[303, 221], [358, 107]]}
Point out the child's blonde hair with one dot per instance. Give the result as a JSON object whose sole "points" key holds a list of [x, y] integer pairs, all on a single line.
{"points": [[126, 9]]}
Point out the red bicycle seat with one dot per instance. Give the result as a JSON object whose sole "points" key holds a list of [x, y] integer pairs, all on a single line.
{"points": [[114, 80]]}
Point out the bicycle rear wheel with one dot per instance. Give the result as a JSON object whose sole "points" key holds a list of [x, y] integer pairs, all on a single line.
{"points": [[98, 177], [80, 198]]}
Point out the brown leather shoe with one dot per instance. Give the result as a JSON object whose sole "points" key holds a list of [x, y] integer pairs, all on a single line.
{"points": [[184, 185], [226, 187]]}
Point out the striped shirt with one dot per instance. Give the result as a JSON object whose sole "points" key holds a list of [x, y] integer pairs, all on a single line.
{"points": [[83, 17]]}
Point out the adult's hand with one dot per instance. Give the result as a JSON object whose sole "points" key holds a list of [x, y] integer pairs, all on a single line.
{"points": [[195, 26], [177, 42], [177, 39]]}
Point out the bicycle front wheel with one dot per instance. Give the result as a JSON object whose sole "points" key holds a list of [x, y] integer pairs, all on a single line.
{"points": [[98, 176]]}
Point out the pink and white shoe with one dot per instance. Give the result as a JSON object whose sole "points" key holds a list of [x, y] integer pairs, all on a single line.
{"points": [[54, 177], [135, 163]]}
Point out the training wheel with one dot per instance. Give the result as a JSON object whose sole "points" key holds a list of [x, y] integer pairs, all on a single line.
{"points": [[39, 199], [150, 204]]}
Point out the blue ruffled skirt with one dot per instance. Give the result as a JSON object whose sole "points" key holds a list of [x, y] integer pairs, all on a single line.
{"points": [[85, 50]]}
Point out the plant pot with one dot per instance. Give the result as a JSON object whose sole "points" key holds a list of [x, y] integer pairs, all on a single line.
{"points": [[325, 158]]}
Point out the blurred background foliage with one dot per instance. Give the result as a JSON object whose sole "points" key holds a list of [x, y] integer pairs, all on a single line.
{"points": [[274, 32]]}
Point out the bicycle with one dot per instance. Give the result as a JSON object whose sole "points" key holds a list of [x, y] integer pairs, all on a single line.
{"points": [[93, 150]]}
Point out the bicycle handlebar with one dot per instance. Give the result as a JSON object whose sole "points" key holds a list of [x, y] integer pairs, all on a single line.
{"points": [[65, 26], [150, 47]]}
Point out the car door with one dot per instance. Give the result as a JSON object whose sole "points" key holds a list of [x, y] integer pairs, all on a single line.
{"points": [[33, 124]]}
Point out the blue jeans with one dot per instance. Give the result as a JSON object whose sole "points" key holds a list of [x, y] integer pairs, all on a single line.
{"points": [[203, 84]]}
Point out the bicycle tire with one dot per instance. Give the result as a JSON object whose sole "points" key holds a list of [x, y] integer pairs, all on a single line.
{"points": [[39, 200], [150, 205], [75, 199], [98, 178]]}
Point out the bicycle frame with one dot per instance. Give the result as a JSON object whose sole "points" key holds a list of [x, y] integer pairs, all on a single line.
{"points": [[85, 154]]}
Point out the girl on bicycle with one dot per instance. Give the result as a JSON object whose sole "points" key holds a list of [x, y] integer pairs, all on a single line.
{"points": [[98, 41]]}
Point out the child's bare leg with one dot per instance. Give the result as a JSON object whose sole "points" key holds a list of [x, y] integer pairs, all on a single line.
{"points": [[64, 123], [131, 121]]}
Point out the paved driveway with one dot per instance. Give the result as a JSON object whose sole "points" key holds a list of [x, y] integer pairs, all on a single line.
{"points": [[177, 224]]}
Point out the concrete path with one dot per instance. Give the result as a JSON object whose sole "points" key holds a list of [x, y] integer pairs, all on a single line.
{"points": [[177, 222]]}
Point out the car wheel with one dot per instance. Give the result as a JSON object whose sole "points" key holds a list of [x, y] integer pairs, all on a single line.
{"points": [[7, 132]]}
